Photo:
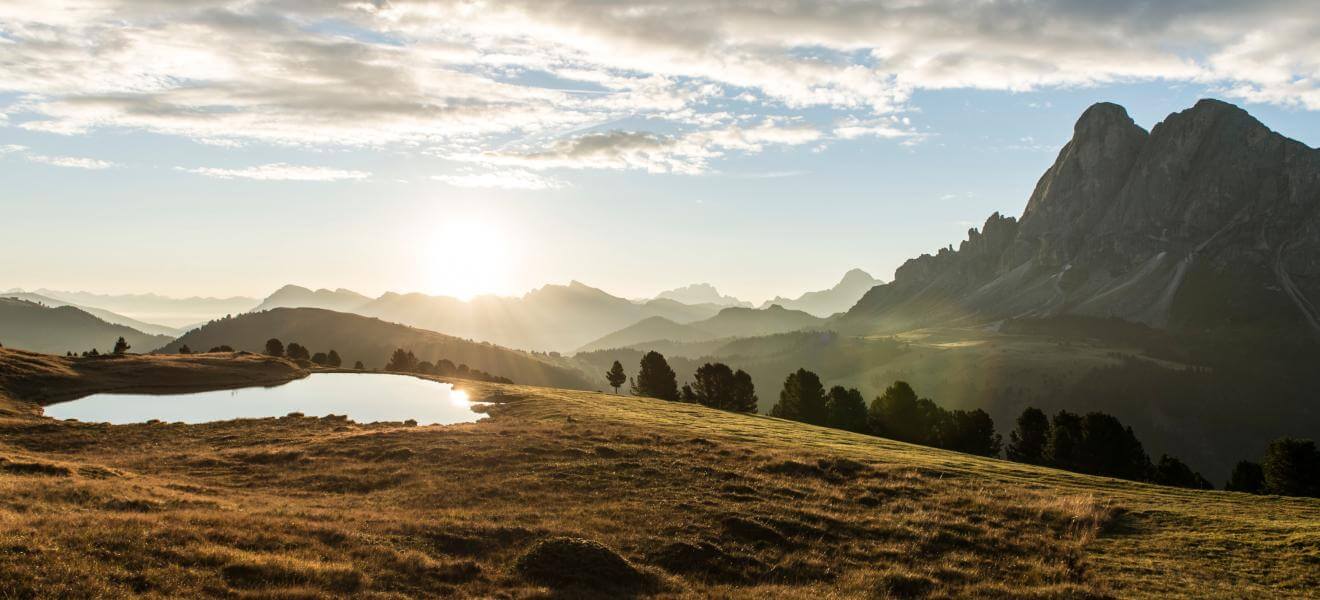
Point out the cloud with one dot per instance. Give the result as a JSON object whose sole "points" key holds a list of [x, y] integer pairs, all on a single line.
{"points": [[73, 162], [512, 179], [514, 82], [689, 153], [280, 172]]}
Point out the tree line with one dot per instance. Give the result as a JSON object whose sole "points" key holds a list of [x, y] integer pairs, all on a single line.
{"points": [[897, 414], [715, 385], [297, 352], [1291, 467], [121, 348], [405, 361], [1095, 443]]}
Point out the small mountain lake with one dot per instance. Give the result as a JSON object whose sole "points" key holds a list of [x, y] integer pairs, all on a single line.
{"points": [[363, 397]]}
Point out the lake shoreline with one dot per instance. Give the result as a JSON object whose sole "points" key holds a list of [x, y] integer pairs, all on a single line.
{"points": [[30, 380]]}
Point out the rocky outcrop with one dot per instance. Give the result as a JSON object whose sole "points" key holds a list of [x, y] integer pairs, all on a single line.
{"points": [[1209, 220]]}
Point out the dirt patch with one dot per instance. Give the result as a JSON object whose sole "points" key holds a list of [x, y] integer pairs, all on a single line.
{"points": [[833, 470], [749, 530], [706, 561], [14, 467], [567, 564]]}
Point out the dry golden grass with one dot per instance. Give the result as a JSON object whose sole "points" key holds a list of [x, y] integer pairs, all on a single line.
{"points": [[698, 503]]}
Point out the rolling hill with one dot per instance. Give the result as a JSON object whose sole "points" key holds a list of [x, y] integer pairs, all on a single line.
{"points": [[100, 313], [60, 329], [359, 338]]}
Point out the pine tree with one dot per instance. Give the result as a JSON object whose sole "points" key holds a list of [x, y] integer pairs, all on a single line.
{"points": [[333, 359], [655, 378], [1247, 477], [846, 409], [743, 398], [1292, 468], [297, 351], [121, 346], [615, 376], [802, 399], [402, 360], [1027, 442]]}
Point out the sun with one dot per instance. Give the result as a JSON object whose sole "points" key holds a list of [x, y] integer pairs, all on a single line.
{"points": [[468, 257]]}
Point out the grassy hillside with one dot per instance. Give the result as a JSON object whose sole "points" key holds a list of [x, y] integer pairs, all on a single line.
{"points": [[1209, 417], [768, 359], [371, 341], [61, 329], [686, 501]]}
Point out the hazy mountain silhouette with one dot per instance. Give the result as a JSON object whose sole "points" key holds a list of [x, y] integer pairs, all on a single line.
{"points": [[179, 313], [371, 341], [701, 293], [56, 330], [729, 323], [841, 297], [553, 317], [1210, 220], [651, 329], [100, 313], [292, 296]]}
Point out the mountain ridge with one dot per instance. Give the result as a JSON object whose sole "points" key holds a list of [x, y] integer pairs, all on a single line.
{"points": [[732, 322], [1210, 220], [838, 298], [59, 329]]}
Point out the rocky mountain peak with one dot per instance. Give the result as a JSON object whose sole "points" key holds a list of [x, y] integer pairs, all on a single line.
{"points": [[1208, 220]]}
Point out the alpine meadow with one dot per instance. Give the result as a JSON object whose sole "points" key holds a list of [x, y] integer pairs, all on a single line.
{"points": [[821, 299]]}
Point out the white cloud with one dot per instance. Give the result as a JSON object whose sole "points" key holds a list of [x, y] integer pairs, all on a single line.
{"points": [[73, 162], [513, 82], [512, 179], [280, 172]]}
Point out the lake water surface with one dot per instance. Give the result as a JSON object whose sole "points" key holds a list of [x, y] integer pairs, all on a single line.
{"points": [[364, 397]]}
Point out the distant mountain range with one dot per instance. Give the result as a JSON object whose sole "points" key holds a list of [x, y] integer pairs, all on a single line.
{"points": [[292, 296], [560, 317], [731, 322], [841, 297], [359, 338], [701, 293], [179, 313], [59, 329]]}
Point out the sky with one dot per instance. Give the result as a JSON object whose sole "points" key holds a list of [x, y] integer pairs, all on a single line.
{"points": [[766, 147]]}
